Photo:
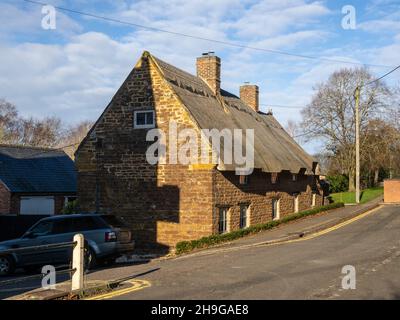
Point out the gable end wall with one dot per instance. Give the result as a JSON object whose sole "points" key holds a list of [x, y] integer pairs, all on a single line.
{"points": [[163, 204]]}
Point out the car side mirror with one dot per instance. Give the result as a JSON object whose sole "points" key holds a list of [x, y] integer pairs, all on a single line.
{"points": [[30, 235]]}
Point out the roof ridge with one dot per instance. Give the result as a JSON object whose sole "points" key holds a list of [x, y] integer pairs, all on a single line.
{"points": [[146, 53], [16, 146]]}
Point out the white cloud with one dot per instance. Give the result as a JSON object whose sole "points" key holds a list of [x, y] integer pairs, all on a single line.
{"points": [[28, 22], [74, 81], [76, 78], [379, 26], [274, 17]]}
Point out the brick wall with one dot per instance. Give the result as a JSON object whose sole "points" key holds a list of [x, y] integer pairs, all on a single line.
{"points": [[209, 69], [5, 199], [249, 94], [392, 191]]}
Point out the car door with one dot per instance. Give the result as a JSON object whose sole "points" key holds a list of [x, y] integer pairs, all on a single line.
{"points": [[36, 236], [62, 232]]}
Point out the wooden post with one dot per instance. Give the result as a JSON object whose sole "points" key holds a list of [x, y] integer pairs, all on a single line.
{"points": [[78, 262]]}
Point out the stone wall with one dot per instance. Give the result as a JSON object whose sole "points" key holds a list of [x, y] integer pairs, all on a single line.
{"points": [[258, 194], [162, 203], [165, 203]]}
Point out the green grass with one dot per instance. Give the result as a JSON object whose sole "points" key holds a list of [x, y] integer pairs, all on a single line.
{"points": [[350, 197], [205, 242]]}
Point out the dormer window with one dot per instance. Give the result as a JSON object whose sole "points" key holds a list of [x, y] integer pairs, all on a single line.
{"points": [[144, 119]]}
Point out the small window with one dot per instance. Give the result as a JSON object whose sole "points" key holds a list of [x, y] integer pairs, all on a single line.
{"points": [[69, 200], [296, 203], [294, 177], [314, 200], [144, 119], [274, 177], [244, 216], [223, 220], [43, 228], [114, 221], [243, 179], [275, 209], [86, 224], [63, 226]]}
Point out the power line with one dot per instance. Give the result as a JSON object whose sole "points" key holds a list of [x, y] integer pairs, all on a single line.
{"points": [[203, 38], [385, 75]]}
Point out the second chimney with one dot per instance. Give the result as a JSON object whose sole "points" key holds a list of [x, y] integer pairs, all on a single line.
{"points": [[209, 69], [249, 95]]}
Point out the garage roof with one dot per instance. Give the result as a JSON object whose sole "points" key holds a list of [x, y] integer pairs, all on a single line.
{"points": [[36, 170]]}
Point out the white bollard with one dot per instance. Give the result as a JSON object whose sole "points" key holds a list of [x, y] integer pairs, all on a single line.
{"points": [[78, 262]]}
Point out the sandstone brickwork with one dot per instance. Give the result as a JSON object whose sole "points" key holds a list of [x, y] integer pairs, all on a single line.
{"points": [[168, 203]]}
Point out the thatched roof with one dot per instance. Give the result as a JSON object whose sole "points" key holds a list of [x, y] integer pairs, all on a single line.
{"points": [[274, 149]]}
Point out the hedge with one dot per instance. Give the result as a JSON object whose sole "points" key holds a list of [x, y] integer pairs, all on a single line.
{"points": [[205, 242]]}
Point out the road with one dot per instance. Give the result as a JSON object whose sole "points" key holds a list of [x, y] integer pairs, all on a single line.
{"points": [[309, 269], [12, 290]]}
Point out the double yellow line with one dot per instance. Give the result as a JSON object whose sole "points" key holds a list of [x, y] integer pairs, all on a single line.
{"points": [[335, 227], [141, 284], [135, 285]]}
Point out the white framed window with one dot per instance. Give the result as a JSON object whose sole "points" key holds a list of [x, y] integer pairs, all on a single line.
{"points": [[275, 209], [223, 220], [296, 203], [314, 200], [144, 119], [244, 216]]}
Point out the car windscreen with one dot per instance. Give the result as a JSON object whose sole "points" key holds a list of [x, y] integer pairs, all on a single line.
{"points": [[114, 221], [42, 228]]}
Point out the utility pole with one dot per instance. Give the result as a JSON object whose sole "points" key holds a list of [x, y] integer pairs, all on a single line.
{"points": [[357, 98]]}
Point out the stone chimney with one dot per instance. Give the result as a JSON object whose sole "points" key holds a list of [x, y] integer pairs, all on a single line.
{"points": [[249, 95], [209, 69]]}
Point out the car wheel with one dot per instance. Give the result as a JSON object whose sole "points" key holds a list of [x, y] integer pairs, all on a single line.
{"points": [[90, 259], [7, 265]]}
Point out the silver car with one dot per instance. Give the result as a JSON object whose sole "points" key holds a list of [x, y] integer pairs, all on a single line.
{"points": [[106, 238]]}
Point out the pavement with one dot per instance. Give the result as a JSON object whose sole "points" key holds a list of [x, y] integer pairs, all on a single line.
{"points": [[299, 260]]}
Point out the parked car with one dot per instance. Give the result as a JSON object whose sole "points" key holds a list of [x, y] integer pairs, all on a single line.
{"points": [[106, 238]]}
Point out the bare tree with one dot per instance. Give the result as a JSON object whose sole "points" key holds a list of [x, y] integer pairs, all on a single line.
{"points": [[16, 130], [49, 132], [292, 128], [8, 121], [381, 144], [73, 136], [331, 114], [40, 133]]}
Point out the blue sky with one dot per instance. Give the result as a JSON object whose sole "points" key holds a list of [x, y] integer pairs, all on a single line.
{"points": [[72, 72]]}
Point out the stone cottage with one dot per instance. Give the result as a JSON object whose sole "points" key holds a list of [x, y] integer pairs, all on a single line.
{"points": [[166, 202]]}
